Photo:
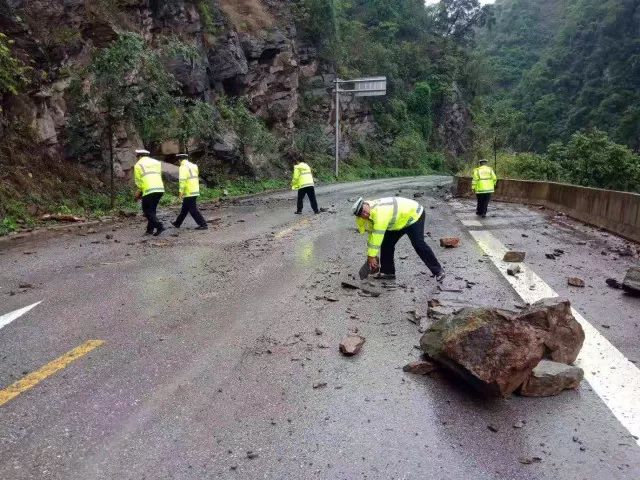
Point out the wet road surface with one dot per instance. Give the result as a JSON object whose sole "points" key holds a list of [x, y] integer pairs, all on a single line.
{"points": [[210, 351]]}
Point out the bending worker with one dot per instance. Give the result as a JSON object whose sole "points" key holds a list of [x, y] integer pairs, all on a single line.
{"points": [[303, 182], [387, 220], [189, 186], [148, 178], [483, 185]]}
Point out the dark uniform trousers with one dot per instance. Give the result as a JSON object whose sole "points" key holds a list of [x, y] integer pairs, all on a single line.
{"points": [[311, 193], [149, 209], [483, 203], [415, 232], [190, 206]]}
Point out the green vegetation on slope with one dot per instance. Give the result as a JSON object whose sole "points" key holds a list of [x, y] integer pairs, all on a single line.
{"points": [[421, 50], [563, 66]]}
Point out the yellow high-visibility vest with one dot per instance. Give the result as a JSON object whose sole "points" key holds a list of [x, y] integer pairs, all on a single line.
{"points": [[394, 213], [148, 176], [189, 181], [484, 180], [302, 176]]}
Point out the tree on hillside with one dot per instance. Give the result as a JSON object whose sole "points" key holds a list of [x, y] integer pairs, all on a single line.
{"points": [[457, 18], [125, 85]]}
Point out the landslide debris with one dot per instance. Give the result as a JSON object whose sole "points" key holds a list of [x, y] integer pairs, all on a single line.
{"points": [[496, 351]]}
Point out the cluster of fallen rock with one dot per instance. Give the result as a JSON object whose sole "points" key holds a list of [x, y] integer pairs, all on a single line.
{"points": [[499, 352]]}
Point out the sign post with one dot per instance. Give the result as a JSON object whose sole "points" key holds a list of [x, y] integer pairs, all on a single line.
{"points": [[359, 87]]}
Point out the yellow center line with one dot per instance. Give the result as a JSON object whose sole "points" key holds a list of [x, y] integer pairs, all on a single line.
{"points": [[34, 378], [287, 231]]}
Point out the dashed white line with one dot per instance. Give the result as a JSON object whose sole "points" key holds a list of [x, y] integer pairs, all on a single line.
{"points": [[611, 375], [7, 318]]}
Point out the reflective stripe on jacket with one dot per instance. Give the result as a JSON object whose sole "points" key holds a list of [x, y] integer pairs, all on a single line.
{"points": [[484, 180], [302, 176], [394, 213], [189, 181], [148, 176]]}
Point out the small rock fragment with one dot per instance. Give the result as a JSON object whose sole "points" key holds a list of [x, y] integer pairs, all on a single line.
{"points": [[518, 424], [515, 270], [613, 283], [251, 455], [450, 242], [349, 284], [550, 378], [631, 283], [319, 332], [319, 385], [575, 282], [351, 345], [419, 367], [327, 298], [514, 257], [529, 460], [493, 428], [25, 285], [418, 195], [550, 256]]}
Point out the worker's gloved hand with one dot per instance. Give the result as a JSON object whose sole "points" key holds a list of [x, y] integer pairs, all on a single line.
{"points": [[138, 195], [374, 264]]}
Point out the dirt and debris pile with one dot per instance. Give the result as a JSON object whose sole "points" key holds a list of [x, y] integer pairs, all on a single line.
{"points": [[496, 351]]}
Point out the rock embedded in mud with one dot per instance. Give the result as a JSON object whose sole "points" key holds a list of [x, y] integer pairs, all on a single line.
{"points": [[420, 367], [551, 378], [351, 345], [450, 242], [514, 257]]}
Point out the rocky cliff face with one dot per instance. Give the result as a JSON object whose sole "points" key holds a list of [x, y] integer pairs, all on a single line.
{"points": [[257, 60], [246, 48]]}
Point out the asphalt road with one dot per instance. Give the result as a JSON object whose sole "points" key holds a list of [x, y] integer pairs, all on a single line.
{"points": [[210, 352]]}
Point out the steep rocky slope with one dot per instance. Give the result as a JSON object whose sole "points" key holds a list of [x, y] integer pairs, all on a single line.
{"points": [[245, 48]]}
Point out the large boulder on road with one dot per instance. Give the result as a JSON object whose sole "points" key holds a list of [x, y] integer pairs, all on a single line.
{"points": [[563, 335], [495, 350], [486, 347]]}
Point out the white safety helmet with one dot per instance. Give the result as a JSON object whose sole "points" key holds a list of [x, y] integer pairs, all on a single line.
{"points": [[357, 207]]}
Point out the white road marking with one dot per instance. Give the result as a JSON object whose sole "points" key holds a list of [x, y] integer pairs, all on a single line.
{"points": [[471, 223], [7, 318], [612, 376]]}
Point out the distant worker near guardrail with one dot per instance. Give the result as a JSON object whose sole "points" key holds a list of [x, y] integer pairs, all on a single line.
{"points": [[387, 220], [302, 181], [189, 191], [148, 177], [483, 185]]}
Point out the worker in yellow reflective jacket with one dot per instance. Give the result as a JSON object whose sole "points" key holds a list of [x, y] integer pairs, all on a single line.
{"points": [[387, 220], [302, 181], [148, 177], [483, 185], [189, 191]]}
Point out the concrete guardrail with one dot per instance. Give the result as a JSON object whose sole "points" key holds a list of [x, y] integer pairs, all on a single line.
{"points": [[618, 212]]}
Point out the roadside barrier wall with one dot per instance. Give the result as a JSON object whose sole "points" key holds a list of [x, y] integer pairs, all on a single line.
{"points": [[618, 212]]}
